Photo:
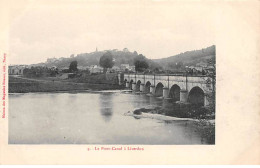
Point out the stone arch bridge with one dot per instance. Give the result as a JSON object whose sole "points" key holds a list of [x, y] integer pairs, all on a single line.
{"points": [[186, 89]]}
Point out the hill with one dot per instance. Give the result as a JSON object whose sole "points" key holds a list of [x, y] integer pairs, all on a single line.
{"points": [[87, 59], [189, 58]]}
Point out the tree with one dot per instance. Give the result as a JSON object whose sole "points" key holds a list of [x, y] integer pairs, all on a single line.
{"points": [[73, 66], [179, 65], [53, 71], [205, 127], [211, 73], [141, 63], [123, 61], [156, 70], [106, 61]]}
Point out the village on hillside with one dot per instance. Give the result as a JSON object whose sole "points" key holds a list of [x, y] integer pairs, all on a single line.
{"points": [[93, 69], [137, 64], [200, 68]]}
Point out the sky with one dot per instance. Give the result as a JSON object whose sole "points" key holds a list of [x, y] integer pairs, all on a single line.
{"points": [[46, 29]]}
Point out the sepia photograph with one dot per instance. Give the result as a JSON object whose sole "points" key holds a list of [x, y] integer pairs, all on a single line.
{"points": [[107, 73], [120, 82]]}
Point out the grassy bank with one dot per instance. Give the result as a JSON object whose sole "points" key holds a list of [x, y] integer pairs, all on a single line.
{"points": [[22, 85], [203, 117], [110, 78]]}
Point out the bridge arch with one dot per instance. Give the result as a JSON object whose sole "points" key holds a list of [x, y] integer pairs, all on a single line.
{"points": [[196, 96], [159, 90], [175, 92], [138, 83], [147, 87]]}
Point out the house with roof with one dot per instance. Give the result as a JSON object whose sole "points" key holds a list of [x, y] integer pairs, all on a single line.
{"points": [[95, 69], [16, 69]]}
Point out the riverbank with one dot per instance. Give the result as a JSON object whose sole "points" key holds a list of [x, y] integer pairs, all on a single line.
{"points": [[205, 126], [163, 117], [184, 112], [25, 85]]}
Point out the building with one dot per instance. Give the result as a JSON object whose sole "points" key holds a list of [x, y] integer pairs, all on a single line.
{"points": [[195, 70], [95, 69], [132, 68], [115, 69], [124, 67], [127, 67], [53, 68], [51, 60], [16, 69], [125, 50], [210, 70], [82, 67], [202, 64]]}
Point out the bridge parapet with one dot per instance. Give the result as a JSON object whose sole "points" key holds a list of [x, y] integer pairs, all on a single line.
{"points": [[177, 78], [164, 84], [144, 77], [149, 77], [198, 79], [184, 82]]}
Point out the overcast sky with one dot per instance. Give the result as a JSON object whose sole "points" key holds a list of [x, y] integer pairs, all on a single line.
{"points": [[155, 29]]}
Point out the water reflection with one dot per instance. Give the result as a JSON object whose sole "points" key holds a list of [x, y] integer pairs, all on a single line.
{"points": [[106, 106]]}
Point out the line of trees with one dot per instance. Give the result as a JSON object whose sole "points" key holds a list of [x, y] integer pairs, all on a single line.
{"points": [[107, 61], [40, 71]]}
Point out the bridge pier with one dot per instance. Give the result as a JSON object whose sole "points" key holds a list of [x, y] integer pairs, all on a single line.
{"points": [[152, 90], [165, 92], [206, 101], [142, 87], [146, 89], [127, 84], [184, 96], [133, 86], [120, 78]]}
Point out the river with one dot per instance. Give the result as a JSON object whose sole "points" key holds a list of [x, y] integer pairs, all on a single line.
{"points": [[92, 118]]}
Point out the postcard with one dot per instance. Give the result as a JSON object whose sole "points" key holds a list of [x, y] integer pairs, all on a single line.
{"points": [[129, 82]]}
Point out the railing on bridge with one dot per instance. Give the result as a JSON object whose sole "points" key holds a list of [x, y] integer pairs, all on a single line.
{"points": [[185, 82], [168, 74], [165, 77]]}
